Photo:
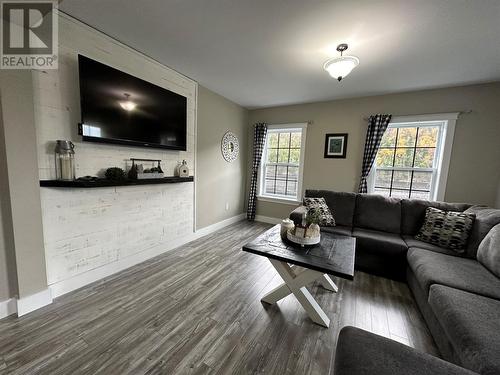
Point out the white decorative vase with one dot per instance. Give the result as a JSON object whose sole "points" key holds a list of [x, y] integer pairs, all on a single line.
{"points": [[313, 231]]}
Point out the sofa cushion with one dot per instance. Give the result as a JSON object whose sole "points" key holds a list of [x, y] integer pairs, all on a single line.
{"points": [[318, 206], [486, 218], [380, 253], [340, 203], [471, 323], [448, 229], [363, 353], [488, 253], [380, 242], [412, 242], [339, 229], [413, 213], [466, 274], [378, 213], [446, 350]]}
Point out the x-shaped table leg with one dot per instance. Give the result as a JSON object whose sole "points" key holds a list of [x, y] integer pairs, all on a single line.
{"points": [[296, 283]]}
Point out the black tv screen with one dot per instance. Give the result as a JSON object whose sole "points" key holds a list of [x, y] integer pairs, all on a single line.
{"points": [[120, 108]]}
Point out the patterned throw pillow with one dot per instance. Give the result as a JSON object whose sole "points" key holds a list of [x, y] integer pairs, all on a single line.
{"points": [[447, 229], [318, 205]]}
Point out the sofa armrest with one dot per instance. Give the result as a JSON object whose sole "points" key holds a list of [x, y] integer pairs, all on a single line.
{"points": [[363, 353], [296, 215]]}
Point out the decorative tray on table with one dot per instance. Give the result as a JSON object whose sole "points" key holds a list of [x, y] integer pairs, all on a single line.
{"points": [[303, 241]]}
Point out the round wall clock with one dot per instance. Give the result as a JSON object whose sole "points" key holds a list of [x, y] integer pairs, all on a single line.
{"points": [[230, 147]]}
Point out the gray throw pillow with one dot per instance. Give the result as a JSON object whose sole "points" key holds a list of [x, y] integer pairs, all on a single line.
{"points": [[488, 253], [447, 229], [318, 205]]}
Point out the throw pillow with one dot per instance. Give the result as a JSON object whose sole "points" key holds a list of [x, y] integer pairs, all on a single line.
{"points": [[488, 253], [319, 206], [447, 229]]}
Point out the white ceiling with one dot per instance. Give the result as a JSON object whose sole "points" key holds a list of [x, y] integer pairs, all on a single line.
{"points": [[262, 53]]}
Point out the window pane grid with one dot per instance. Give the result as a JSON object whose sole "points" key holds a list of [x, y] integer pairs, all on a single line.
{"points": [[406, 161], [282, 164], [386, 188], [283, 155], [282, 179], [418, 169], [413, 162], [292, 148]]}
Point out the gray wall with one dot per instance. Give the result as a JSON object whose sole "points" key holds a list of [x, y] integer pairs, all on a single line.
{"points": [[218, 182], [8, 282], [16, 93], [475, 161]]}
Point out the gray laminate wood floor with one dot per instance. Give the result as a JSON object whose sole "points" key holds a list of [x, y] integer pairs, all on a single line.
{"points": [[196, 310]]}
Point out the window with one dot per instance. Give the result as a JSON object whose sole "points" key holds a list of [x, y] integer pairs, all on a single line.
{"points": [[282, 163], [413, 159]]}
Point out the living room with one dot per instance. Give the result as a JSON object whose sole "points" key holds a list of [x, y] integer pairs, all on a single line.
{"points": [[241, 187]]}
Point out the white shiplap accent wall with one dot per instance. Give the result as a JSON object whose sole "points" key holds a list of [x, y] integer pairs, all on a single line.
{"points": [[85, 229], [88, 228]]}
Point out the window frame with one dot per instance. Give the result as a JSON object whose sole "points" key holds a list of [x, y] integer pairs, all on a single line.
{"points": [[278, 198], [447, 122]]}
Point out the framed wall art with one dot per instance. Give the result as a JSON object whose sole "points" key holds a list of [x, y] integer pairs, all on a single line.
{"points": [[336, 145]]}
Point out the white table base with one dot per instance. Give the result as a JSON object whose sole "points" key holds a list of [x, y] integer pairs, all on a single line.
{"points": [[296, 282]]}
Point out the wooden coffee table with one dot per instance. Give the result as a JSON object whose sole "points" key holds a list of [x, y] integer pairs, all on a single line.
{"points": [[298, 267]]}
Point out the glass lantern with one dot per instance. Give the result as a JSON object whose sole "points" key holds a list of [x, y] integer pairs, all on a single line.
{"points": [[65, 160]]}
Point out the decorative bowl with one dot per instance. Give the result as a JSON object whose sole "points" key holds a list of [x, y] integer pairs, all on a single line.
{"points": [[303, 241]]}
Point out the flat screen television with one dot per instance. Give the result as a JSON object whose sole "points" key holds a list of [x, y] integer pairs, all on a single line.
{"points": [[119, 108]]}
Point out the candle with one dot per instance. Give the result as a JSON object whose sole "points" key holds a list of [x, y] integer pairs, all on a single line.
{"points": [[66, 169]]}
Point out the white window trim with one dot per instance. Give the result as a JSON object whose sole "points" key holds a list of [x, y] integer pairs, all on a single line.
{"points": [[281, 198], [443, 148]]}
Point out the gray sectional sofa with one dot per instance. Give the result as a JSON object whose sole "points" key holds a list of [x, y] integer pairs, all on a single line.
{"points": [[458, 297]]}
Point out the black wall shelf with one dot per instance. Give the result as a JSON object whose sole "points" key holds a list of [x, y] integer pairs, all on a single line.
{"points": [[105, 183]]}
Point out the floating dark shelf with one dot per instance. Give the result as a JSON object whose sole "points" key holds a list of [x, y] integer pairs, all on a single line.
{"points": [[105, 183]]}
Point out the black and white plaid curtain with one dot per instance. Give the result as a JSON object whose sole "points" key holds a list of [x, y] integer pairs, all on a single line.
{"points": [[259, 138], [376, 128]]}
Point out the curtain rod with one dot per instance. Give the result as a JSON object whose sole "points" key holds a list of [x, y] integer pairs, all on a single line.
{"points": [[466, 112]]}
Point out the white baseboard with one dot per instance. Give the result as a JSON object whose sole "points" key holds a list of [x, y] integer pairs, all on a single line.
{"points": [[25, 305], [221, 224], [65, 286], [267, 219], [31, 303], [8, 307]]}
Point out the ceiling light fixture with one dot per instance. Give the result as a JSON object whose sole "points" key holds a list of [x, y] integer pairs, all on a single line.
{"points": [[340, 67], [128, 105]]}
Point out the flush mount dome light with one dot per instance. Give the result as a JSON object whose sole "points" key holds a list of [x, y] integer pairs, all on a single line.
{"points": [[340, 67], [128, 105]]}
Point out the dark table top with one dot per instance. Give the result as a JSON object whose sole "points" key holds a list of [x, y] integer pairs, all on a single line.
{"points": [[333, 255]]}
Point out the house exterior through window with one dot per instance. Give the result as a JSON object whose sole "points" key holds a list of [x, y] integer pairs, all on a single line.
{"points": [[413, 158], [282, 163]]}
